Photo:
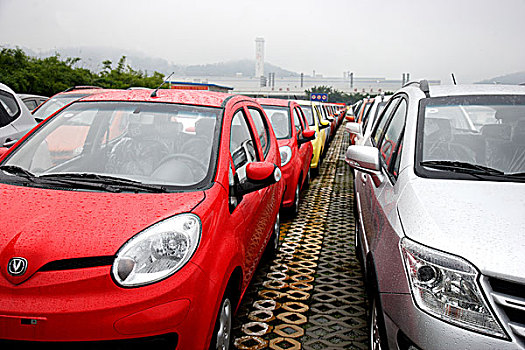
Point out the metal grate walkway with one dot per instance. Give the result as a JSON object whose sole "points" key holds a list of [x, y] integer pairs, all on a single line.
{"points": [[311, 295]]}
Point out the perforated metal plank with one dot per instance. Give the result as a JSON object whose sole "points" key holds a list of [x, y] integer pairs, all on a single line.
{"points": [[311, 296]]}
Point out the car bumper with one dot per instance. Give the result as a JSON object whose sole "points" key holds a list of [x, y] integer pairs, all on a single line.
{"points": [[406, 324], [86, 305]]}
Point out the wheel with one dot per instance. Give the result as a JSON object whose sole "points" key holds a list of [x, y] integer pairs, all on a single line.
{"points": [[294, 209], [377, 335], [222, 333], [307, 179], [273, 245], [357, 246]]}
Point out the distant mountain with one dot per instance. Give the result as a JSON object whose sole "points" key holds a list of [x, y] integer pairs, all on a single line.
{"points": [[92, 58], [510, 79]]}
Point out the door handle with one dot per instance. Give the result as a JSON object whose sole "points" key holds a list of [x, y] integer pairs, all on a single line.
{"points": [[9, 142], [364, 178]]}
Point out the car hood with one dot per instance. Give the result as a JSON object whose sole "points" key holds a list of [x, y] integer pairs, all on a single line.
{"points": [[481, 221], [43, 225]]}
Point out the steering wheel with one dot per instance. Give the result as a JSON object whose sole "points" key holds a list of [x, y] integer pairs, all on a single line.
{"points": [[195, 167]]}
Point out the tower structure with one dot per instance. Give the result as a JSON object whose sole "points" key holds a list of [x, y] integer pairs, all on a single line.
{"points": [[259, 57]]}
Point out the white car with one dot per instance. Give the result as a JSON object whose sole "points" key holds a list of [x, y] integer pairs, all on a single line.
{"points": [[15, 118]]}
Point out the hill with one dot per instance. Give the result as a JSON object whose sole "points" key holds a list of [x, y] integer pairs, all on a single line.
{"points": [[92, 57], [511, 79]]}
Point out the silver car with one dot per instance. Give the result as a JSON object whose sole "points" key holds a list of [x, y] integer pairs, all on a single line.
{"points": [[440, 218], [15, 118]]}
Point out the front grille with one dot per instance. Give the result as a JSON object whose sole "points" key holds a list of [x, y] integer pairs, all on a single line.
{"points": [[78, 263], [165, 341], [510, 299]]}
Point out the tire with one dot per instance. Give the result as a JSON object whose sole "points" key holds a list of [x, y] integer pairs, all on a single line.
{"points": [[273, 244], [294, 209], [307, 179], [222, 332], [376, 326]]}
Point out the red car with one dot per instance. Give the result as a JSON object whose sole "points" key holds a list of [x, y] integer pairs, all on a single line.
{"points": [[293, 135], [151, 233]]}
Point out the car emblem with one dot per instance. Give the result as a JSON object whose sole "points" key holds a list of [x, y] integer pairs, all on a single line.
{"points": [[17, 266]]}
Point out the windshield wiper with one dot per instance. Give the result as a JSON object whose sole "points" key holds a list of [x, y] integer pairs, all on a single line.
{"points": [[518, 175], [18, 171], [105, 180], [462, 167]]}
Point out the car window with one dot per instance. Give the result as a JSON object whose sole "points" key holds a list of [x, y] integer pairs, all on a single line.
{"points": [[384, 118], [280, 119], [297, 122], [9, 109], [31, 104], [153, 143], [308, 114], [242, 146], [263, 133], [390, 140]]}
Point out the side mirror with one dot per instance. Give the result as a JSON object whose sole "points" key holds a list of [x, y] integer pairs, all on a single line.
{"points": [[3, 150], [324, 125], [350, 118], [308, 135], [354, 128], [365, 159], [259, 175]]}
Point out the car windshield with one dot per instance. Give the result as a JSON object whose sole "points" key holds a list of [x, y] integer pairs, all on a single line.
{"points": [[308, 114], [280, 119], [152, 143], [485, 131], [54, 104]]}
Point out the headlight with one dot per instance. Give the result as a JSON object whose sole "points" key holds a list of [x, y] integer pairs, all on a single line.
{"points": [[446, 287], [158, 251], [286, 154]]}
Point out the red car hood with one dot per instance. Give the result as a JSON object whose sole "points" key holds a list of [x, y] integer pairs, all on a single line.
{"points": [[43, 225]]}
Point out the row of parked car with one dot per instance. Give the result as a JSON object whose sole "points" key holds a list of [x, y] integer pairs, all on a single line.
{"points": [[439, 176], [143, 214]]}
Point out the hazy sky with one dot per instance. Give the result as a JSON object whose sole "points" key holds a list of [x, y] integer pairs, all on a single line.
{"points": [[475, 39]]}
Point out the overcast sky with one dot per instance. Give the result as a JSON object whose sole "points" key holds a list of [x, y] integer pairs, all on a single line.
{"points": [[475, 39]]}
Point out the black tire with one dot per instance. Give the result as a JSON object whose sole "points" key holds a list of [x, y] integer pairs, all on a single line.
{"points": [[307, 179], [222, 332], [294, 209], [376, 326], [273, 244]]}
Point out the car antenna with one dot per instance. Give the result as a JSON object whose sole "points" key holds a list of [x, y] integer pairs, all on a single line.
{"points": [[453, 79], [154, 93]]}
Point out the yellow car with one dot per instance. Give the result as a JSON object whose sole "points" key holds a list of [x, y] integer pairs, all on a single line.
{"points": [[314, 121]]}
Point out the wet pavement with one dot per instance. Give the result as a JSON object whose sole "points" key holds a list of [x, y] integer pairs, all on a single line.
{"points": [[311, 295]]}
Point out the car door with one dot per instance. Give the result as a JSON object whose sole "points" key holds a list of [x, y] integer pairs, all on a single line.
{"points": [[265, 221], [243, 151], [386, 194], [366, 191], [305, 149]]}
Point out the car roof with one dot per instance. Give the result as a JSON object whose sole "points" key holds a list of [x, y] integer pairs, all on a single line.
{"points": [[273, 102], [470, 89], [191, 97]]}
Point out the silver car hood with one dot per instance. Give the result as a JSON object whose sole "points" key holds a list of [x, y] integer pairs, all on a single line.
{"points": [[480, 221]]}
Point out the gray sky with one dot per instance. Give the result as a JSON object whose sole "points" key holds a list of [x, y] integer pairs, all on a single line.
{"points": [[475, 39]]}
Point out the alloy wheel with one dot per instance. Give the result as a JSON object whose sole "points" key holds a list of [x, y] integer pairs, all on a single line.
{"points": [[225, 325], [375, 335]]}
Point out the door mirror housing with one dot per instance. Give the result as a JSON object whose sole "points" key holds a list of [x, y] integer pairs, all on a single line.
{"points": [[354, 128], [350, 118], [258, 175], [3, 150], [367, 160], [308, 135], [324, 125]]}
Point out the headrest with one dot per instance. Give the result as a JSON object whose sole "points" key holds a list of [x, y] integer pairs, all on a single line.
{"points": [[496, 131]]}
